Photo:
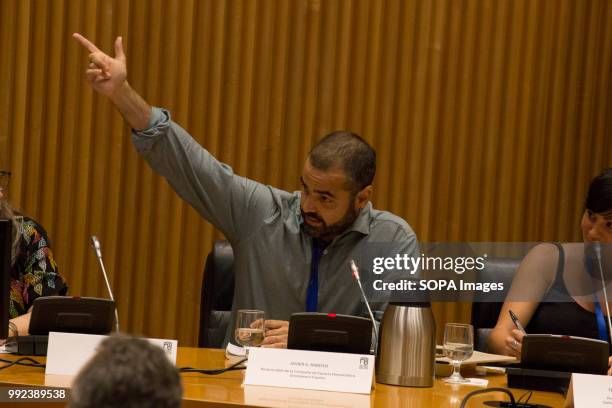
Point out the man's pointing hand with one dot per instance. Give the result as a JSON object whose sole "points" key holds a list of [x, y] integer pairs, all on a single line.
{"points": [[105, 74]]}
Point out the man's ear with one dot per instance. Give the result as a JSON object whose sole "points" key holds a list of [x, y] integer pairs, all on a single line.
{"points": [[363, 197]]}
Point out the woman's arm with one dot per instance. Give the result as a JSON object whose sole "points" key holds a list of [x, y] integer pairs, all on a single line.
{"points": [[38, 275], [22, 325], [534, 278]]}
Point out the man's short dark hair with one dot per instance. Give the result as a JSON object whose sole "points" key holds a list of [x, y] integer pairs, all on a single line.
{"points": [[127, 372], [348, 151]]}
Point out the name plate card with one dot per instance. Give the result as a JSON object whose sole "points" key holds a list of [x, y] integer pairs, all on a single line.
{"points": [[313, 370], [68, 352], [589, 390]]}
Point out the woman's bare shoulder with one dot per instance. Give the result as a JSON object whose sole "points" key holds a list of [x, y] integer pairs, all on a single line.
{"points": [[573, 248], [541, 261], [544, 252]]}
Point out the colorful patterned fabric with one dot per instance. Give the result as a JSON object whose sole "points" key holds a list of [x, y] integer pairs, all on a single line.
{"points": [[34, 273]]}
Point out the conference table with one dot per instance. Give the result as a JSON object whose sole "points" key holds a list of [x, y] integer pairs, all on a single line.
{"points": [[226, 390]]}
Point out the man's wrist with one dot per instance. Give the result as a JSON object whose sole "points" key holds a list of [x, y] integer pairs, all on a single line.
{"points": [[135, 110], [120, 92]]}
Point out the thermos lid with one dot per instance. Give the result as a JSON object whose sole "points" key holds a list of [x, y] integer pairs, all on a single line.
{"points": [[411, 304]]}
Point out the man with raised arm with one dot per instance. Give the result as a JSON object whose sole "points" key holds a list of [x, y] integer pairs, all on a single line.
{"points": [[291, 250]]}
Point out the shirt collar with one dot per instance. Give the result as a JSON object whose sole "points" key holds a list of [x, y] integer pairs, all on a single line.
{"points": [[362, 223]]}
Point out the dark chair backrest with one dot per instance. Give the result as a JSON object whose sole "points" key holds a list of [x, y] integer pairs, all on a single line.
{"points": [[485, 310], [217, 295]]}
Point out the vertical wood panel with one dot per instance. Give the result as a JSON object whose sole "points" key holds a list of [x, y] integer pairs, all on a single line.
{"points": [[489, 119]]}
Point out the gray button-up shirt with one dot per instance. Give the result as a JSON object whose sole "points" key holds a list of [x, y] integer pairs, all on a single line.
{"points": [[264, 226]]}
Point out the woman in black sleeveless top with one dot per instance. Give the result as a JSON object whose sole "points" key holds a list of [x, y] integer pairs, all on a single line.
{"points": [[552, 292]]}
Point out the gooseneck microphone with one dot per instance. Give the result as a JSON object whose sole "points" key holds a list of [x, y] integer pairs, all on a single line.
{"points": [[597, 250], [355, 271], [97, 248]]}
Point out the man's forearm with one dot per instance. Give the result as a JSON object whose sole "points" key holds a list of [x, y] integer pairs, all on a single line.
{"points": [[134, 109]]}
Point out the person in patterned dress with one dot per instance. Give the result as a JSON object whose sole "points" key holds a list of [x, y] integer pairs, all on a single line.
{"points": [[33, 269]]}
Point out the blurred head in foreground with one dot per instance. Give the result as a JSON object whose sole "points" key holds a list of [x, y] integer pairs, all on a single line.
{"points": [[127, 372]]}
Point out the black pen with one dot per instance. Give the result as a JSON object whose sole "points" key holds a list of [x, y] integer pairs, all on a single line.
{"points": [[516, 322]]}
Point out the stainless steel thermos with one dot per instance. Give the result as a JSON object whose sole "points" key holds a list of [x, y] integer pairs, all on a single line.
{"points": [[407, 345]]}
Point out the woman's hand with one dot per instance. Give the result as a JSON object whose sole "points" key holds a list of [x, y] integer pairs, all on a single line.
{"points": [[610, 365], [514, 343]]}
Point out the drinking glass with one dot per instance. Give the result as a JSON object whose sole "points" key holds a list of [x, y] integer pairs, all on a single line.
{"points": [[458, 346], [250, 328]]}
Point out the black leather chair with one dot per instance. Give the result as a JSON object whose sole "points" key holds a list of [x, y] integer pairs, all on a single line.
{"points": [[486, 306], [217, 295]]}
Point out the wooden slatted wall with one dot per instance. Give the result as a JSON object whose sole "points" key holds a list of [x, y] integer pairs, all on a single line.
{"points": [[489, 118]]}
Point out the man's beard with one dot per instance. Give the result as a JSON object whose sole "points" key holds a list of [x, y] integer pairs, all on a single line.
{"points": [[328, 232]]}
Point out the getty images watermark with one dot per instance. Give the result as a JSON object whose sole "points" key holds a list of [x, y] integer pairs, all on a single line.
{"points": [[483, 272], [411, 265]]}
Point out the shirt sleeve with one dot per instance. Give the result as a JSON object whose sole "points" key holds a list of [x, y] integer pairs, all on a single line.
{"points": [[39, 274], [235, 205]]}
